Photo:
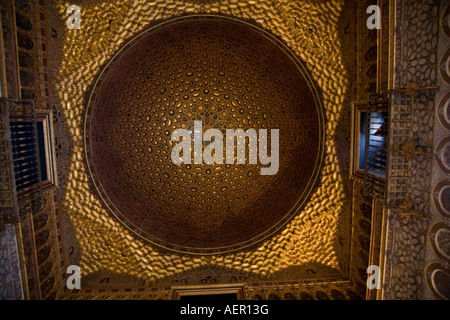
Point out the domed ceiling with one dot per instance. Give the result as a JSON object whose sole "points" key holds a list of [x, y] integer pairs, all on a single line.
{"points": [[228, 74]]}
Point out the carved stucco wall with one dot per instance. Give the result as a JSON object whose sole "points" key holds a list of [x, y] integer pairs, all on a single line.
{"points": [[409, 256], [10, 274], [437, 270]]}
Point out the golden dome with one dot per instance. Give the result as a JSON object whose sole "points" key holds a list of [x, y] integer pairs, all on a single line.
{"points": [[229, 74]]}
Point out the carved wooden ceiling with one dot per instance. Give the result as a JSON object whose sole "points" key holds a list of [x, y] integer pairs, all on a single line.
{"points": [[229, 75], [140, 227], [141, 72]]}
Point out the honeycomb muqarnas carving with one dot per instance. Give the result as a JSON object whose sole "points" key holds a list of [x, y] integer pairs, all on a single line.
{"points": [[310, 29], [225, 74]]}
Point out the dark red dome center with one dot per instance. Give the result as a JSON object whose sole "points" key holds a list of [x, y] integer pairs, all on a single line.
{"points": [[228, 74]]}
